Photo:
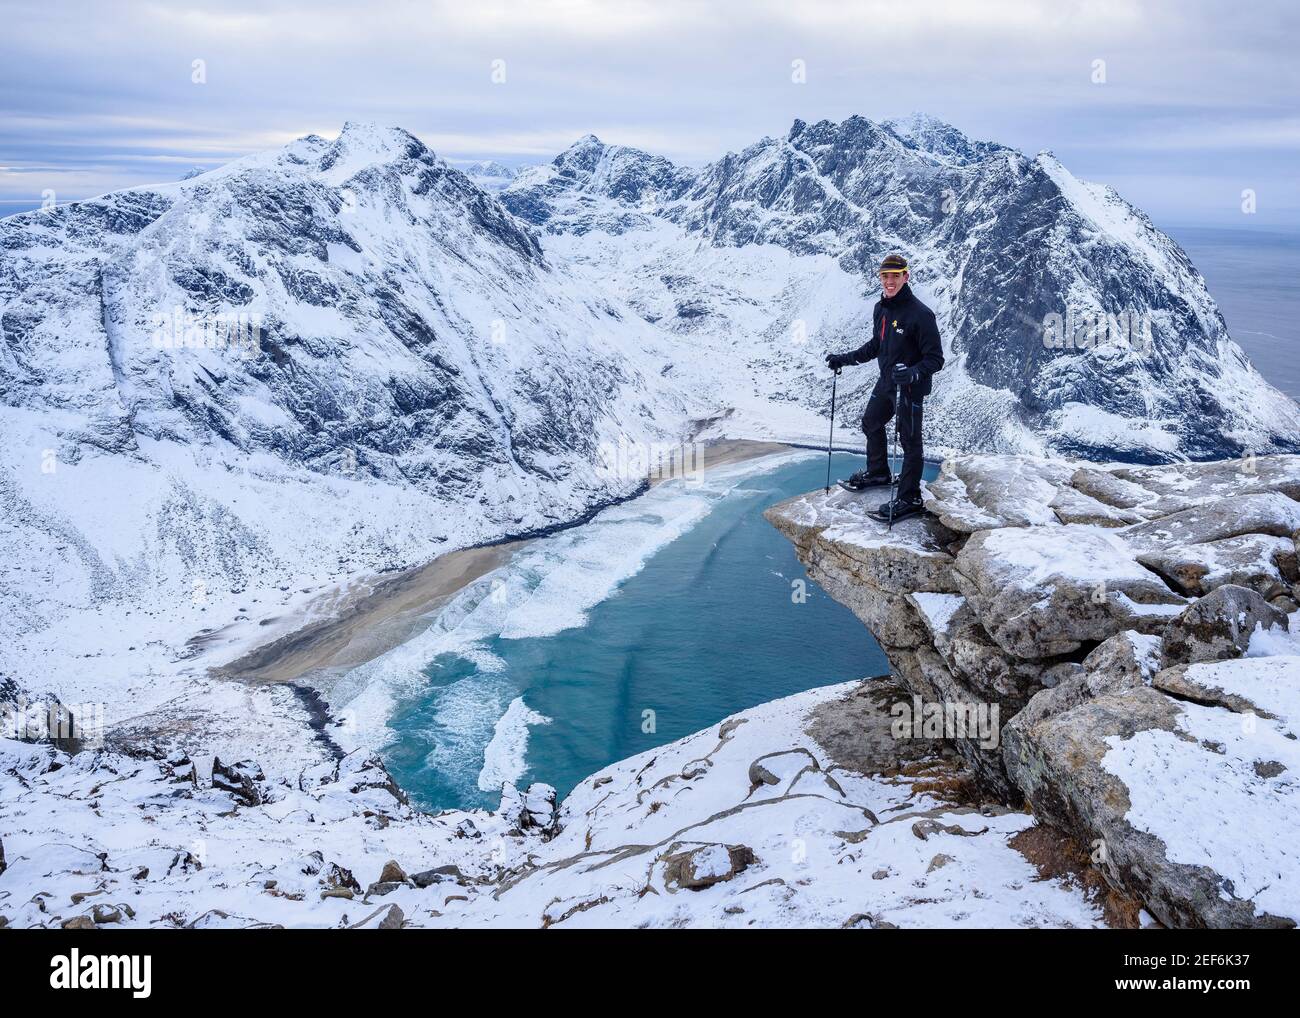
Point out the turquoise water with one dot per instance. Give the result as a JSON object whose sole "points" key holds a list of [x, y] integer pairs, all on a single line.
{"points": [[705, 627]]}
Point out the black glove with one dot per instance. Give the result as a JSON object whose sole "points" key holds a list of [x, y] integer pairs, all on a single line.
{"points": [[904, 375], [835, 361]]}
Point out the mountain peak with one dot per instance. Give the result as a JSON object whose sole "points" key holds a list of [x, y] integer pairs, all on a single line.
{"points": [[584, 155], [939, 139], [918, 122], [361, 144]]}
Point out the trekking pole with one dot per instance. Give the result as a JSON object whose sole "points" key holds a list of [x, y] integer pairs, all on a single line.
{"points": [[831, 438], [898, 413]]}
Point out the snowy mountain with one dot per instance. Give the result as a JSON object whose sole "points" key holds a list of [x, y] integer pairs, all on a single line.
{"points": [[233, 404], [337, 357], [225, 395], [488, 174], [1012, 253]]}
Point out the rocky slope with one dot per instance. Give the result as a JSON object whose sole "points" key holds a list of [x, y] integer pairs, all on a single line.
{"points": [[1133, 635], [802, 812]]}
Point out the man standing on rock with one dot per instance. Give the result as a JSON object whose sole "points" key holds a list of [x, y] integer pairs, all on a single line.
{"points": [[905, 340]]}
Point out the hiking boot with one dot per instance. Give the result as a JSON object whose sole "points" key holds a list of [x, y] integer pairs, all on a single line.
{"points": [[863, 479], [901, 508]]}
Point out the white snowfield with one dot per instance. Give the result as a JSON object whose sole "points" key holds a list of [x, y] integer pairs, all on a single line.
{"points": [[748, 823]]}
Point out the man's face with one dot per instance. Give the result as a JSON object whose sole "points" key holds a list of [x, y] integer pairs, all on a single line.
{"points": [[892, 282]]}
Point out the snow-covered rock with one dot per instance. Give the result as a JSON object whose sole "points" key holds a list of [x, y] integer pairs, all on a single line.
{"points": [[1158, 731]]}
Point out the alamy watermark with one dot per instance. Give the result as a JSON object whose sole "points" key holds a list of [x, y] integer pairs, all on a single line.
{"points": [[38, 720], [77, 971], [946, 720], [655, 461], [180, 329], [1084, 330]]}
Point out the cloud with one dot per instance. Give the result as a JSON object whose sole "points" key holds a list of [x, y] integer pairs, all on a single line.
{"points": [[96, 85]]}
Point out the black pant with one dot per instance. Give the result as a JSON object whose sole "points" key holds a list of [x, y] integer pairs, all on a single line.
{"points": [[880, 408]]}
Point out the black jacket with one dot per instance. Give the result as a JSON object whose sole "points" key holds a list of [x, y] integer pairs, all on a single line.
{"points": [[903, 332]]}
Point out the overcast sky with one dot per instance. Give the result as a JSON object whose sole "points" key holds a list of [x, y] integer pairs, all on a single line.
{"points": [[1198, 101]]}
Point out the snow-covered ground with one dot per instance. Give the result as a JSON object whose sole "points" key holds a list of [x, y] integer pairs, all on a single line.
{"points": [[749, 823]]}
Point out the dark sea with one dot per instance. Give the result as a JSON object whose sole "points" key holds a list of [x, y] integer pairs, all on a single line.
{"points": [[1254, 275]]}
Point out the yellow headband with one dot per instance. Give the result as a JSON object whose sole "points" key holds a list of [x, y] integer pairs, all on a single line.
{"points": [[892, 272]]}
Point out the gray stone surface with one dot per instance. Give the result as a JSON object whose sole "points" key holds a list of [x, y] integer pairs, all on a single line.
{"points": [[1104, 611], [1218, 626], [1045, 591]]}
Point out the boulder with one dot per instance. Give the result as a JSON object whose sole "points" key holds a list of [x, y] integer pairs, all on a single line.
{"points": [[1268, 513], [386, 917], [1218, 626], [364, 769], [1073, 506], [1124, 661], [1111, 489], [1182, 484], [1040, 592], [534, 811], [392, 872], [705, 865], [438, 875], [1250, 685], [1265, 563], [467, 829], [239, 779], [1062, 762], [335, 877], [981, 492]]}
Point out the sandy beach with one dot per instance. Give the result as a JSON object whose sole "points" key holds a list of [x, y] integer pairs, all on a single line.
{"points": [[368, 619]]}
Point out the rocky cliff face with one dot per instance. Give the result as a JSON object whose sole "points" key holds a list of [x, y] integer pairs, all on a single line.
{"points": [[1116, 647]]}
